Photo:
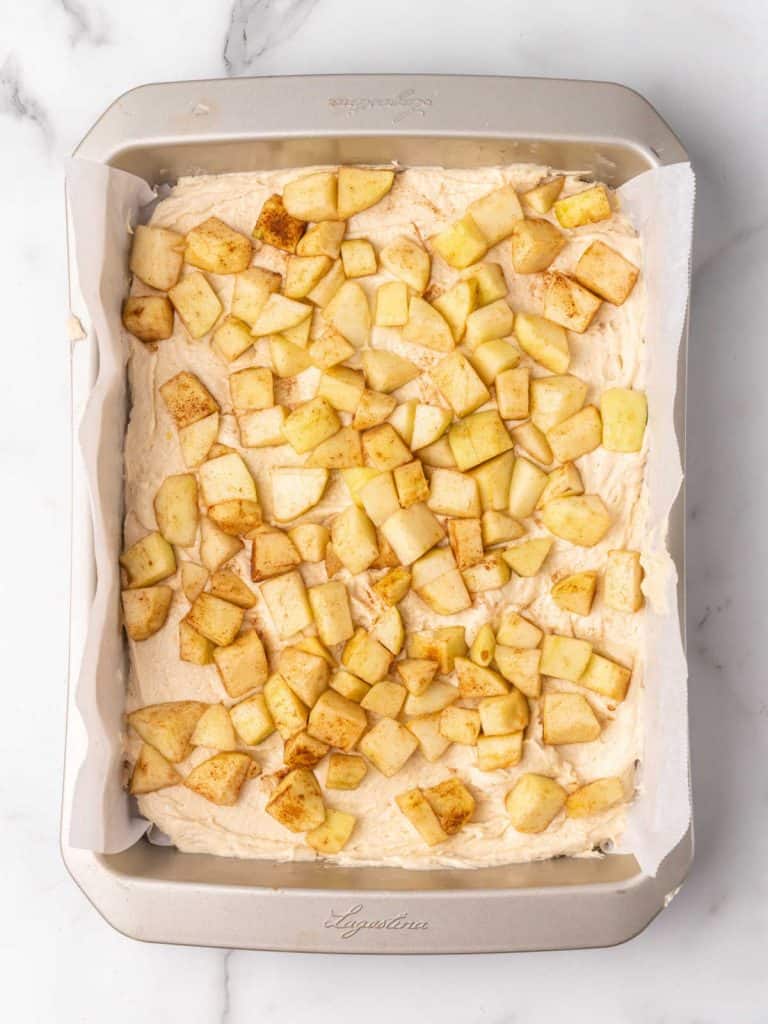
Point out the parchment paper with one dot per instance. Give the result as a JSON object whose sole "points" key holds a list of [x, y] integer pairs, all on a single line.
{"points": [[104, 205]]}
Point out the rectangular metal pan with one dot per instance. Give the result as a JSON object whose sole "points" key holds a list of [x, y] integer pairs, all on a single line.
{"points": [[162, 132]]}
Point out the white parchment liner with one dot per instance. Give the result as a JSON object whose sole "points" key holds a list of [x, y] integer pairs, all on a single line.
{"points": [[105, 203]]}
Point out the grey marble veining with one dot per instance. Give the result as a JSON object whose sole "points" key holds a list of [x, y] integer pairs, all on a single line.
{"points": [[703, 65]]}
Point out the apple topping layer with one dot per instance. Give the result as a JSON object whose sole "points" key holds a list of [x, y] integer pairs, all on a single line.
{"points": [[384, 574]]}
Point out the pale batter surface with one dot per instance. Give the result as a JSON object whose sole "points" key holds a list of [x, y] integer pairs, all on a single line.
{"points": [[612, 352]]}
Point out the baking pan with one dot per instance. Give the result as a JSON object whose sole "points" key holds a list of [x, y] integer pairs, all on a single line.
{"points": [[155, 893]]}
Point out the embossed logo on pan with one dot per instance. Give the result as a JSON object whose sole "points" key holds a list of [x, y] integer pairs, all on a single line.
{"points": [[404, 104], [351, 922]]}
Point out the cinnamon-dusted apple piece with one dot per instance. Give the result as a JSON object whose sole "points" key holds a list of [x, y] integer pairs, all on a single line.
{"points": [[157, 255], [168, 727], [152, 772], [148, 317], [216, 247], [145, 610]]}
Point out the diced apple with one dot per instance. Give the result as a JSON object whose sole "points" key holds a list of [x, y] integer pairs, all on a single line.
{"points": [[152, 772], [386, 371], [476, 681], [297, 802], [242, 664], [563, 481], [575, 593], [438, 455], [221, 777], [534, 245], [556, 398], [278, 314], [478, 438], [303, 273], [411, 484], [388, 746], [452, 802], [460, 725], [542, 196], [349, 685], [216, 619], [334, 834], [442, 645], [228, 585], [168, 727], [520, 666], [329, 349], [623, 579], [361, 188], [466, 540], [512, 392], [341, 451], [461, 244], [497, 213], [385, 698], [277, 227], [454, 494], [581, 519], [217, 248], [252, 289], [568, 304], [187, 399], [285, 711], [393, 587], [366, 658], [176, 509], [504, 714], [447, 594], [193, 646], [532, 441], [252, 388], [426, 729], [528, 481], [491, 573], [493, 358], [402, 419], [288, 359], [342, 387], [427, 327], [236, 517], [196, 303], [516, 631], [606, 273], [412, 532], [312, 197], [262, 428], [576, 436], [455, 305], [389, 631], [564, 657], [497, 752], [345, 771], [625, 413], [148, 561], [587, 207], [148, 317], [330, 607], [420, 814], [488, 323], [383, 448], [595, 798], [328, 286], [349, 313], [489, 278], [226, 478], [354, 539], [606, 677], [493, 476], [534, 802], [379, 498], [544, 341], [358, 257], [286, 599], [337, 721], [483, 646], [303, 751], [322, 239], [408, 261], [309, 424], [145, 610], [306, 674], [156, 256], [568, 718]]}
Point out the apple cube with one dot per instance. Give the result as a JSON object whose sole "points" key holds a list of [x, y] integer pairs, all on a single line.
{"points": [[345, 771], [625, 413], [393, 586], [606, 273], [476, 681], [426, 729], [226, 478], [388, 746], [568, 304], [488, 323], [563, 481], [365, 657], [354, 539], [564, 657], [495, 475], [575, 593], [385, 698], [528, 481], [497, 213], [187, 399], [349, 314], [419, 813], [277, 227], [329, 349], [478, 438], [534, 245], [168, 727], [152, 772], [623, 579], [461, 244], [221, 777], [491, 573], [391, 304], [330, 607], [289, 714], [581, 519], [358, 257], [386, 371], [455, 305], [460, 725], [568, 718], [322, 239], [349, 686], [498, 527], [252, 720], [334, 834], [286, 599], [542, 196], [427, 327], [594, 798], [496, 752], [230, 587], [408, 261], [272, 554], [465, 536], [532, 441], [297, 801], [295, 490], [157, 255], [148, 561], [515, 631], [361, 187], [489, 279], [312, 197], [145, 610], [578, 435], [337, 721], [534, 802], [587, 207], [196, 303], [310, 541], [148, 317], [544, 341], [606, 677], [452, 802], [442, 645], [520, 666]]}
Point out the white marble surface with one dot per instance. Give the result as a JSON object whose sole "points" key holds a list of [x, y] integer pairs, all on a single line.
{"points": [[702, 63]]}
